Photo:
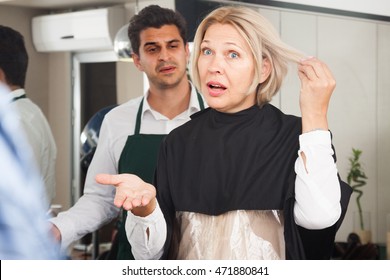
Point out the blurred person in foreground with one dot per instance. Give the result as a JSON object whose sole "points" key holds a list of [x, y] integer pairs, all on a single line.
{"points": [[241, 180], [24, 232], [13, 70]]}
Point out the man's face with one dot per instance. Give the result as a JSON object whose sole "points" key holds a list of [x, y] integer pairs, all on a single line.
{"points": [[162, 56]]}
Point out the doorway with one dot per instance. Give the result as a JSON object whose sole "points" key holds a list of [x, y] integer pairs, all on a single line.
{"points": [[94, 88], [94, 91], [98, 95]]}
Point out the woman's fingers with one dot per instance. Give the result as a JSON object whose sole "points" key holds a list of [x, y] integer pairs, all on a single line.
{"points": [[114, 180], [317, 85], [314, 69]]}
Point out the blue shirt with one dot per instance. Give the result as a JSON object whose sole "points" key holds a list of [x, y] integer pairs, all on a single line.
{"points": [[24, 230]]}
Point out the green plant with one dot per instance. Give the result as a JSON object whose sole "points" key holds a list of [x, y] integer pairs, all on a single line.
{"points": [[357, 179]]}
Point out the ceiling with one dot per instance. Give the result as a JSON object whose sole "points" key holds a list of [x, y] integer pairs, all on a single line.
{"points": [[62, 4]]}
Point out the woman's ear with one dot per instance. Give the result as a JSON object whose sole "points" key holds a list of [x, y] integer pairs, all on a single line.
{"points": [[265, 70]]}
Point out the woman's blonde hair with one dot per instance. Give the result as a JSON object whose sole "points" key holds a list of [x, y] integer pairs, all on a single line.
{"points": [[262, 39]]}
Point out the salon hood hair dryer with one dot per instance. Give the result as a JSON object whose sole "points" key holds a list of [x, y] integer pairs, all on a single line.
{"points": [[90, 135]]}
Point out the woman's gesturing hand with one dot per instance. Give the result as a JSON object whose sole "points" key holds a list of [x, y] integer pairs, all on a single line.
{"points": [[132, 193]]}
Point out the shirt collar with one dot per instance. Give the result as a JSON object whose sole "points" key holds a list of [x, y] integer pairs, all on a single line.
{"points": [[17, 93], [193, 107]]}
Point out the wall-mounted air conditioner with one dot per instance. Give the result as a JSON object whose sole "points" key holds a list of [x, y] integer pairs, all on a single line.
{"points": [[89, 30]]}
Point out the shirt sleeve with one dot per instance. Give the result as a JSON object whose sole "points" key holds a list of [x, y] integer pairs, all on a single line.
{"points": [[317, 185], [146, 246]]}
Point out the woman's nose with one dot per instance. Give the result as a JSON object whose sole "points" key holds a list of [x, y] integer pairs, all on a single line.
{"points": [[216, 65]]}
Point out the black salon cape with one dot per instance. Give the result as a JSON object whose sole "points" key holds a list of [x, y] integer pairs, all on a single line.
{"points": [[220, 162]]}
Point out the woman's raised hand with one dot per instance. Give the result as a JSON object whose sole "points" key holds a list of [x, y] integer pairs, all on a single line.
{"points": [[317, 85]]}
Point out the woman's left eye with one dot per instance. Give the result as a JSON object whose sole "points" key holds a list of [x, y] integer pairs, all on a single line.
{"points": [[233, 55]]}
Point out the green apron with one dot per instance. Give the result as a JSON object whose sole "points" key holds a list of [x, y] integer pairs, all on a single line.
{"points": [[139, 157]]}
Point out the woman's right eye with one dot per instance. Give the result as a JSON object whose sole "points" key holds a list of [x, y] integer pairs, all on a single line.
{"points": [[206, 51]]}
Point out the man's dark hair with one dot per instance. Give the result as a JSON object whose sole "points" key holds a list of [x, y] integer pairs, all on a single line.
{"points": [[154, 16], [13, 56]]}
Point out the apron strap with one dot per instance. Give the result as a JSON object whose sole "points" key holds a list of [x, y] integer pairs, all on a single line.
{"points": [[138, 120], [19, 97], [200, 99]]}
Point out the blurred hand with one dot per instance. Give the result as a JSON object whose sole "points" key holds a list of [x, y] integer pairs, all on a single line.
{"points": [[55, 232]]}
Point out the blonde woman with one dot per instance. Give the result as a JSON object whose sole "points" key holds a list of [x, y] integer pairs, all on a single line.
{"points": [[242, 180]]}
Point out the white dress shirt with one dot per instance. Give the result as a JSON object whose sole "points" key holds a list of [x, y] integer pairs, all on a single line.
{"points": [[96, 207], [33, 123], [24, 232]]}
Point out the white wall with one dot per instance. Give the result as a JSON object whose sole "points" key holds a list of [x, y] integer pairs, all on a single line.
{"points": [[60, 119], [375, 7]]}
